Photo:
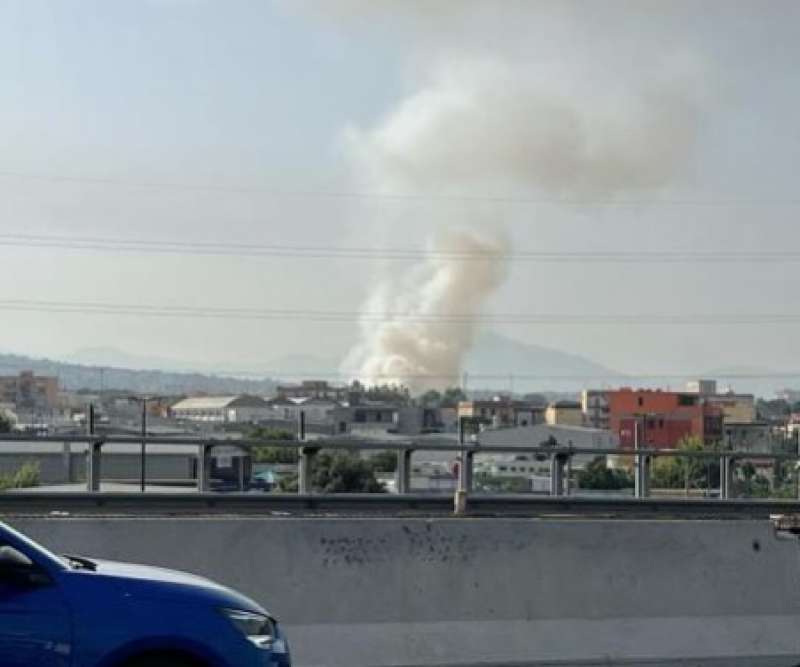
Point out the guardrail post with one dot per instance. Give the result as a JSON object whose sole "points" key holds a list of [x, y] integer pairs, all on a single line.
{"points": [[204, 468], [726, 470], [403, 475], [642, 476], [557, 462]]}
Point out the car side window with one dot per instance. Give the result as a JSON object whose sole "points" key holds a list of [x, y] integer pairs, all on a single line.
{"points": [[17, 571]]}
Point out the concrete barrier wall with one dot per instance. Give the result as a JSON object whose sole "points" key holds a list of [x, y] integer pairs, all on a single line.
{"points": [[370, 592]]}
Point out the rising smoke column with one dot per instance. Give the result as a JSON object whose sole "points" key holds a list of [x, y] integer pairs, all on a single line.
{"points": [[424, 323], [488, 127]]}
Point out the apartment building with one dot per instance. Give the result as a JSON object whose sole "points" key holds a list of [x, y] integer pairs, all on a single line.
{"points": [[29, 391]]}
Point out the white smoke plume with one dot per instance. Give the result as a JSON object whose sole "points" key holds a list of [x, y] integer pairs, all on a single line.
{"points": [[408, 333], [487, 127]]}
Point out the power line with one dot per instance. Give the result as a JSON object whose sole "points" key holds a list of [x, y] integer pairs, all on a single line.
{"points": [[366, 253], [343, 316], [390, 196]]}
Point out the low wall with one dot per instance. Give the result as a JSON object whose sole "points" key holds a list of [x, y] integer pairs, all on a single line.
{"points": [[371, 592]]}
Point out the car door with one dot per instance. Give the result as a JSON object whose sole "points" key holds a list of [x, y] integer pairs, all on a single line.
{"points": [[35, 626]]}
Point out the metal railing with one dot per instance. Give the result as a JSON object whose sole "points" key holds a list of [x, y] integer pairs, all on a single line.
{"points": [[559, 458]]}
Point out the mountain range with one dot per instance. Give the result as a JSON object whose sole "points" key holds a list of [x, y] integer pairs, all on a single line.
{"points": [[496, 362]]}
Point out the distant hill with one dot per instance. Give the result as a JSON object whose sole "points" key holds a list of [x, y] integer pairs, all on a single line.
{"points": [[78, 376], [525, 367], [505, 363]]}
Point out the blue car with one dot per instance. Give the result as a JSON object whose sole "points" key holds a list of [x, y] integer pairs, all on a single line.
{"points": [[70, 611]]}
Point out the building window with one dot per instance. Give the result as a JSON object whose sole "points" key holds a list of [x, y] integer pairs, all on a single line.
{"points": [[641, 401], [360, 416]]}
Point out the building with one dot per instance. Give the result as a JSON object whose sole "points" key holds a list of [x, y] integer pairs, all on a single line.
{"points": [[380, 418], [661, 419], [502, 412], [222, 409], [547, 435], [318, 389], [755, 437], [569, 413], [594, 403], [28, 391], [738, 408], [704, 387]]}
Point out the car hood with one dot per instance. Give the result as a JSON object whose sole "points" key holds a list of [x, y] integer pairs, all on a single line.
{"points": [[158, 582]]}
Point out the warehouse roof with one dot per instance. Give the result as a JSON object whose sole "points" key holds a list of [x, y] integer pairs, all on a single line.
{"points": [[220, 402]]}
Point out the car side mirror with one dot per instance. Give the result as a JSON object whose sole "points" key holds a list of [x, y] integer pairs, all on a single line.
{"points": [[17, 569]]}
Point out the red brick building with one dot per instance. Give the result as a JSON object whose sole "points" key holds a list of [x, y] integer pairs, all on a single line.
{"points": [[663, 417]]}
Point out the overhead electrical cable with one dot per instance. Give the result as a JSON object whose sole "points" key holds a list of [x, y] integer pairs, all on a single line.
{"points": [[596, 199], [410, 317], [149, 246]]}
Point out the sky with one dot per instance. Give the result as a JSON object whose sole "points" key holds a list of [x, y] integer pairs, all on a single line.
{"points": [[632, 126]]}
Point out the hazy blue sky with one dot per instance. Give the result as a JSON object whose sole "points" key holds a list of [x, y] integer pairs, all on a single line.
{"points": [[288, 96]]}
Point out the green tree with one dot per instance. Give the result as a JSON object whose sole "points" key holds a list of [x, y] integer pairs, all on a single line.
{"points": [[430, 398], [272, 453], [597, 475], [384, 461], [675, 472], [343, 472], [452, 396], [5, 424]]}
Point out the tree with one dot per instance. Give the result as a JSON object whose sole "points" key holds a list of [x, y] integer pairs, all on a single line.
{"points": [[430, 398], [674, 472], [597, 475], [342, 472], [452, 396], [384, 461], [5, 424], [272, 453]]}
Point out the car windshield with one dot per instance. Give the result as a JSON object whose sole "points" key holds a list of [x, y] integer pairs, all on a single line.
{"points": [[37, 549]]}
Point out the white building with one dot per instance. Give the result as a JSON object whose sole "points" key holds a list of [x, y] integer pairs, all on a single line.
{"points": [[559, 435], [222, 409], [317, 410]]}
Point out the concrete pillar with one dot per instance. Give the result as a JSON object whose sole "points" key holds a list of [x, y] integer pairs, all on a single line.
{"points": [[204, 469], [464, 481], [568, 477], [557, 462], [641, 476], [305, 462], [66, 462], [403, 474], [727, 466], [93, 466], [465, 471]]}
